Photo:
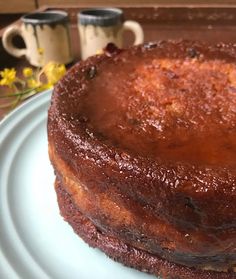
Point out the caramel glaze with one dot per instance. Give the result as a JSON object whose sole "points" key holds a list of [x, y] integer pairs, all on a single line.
{"points": [[155, 126]]}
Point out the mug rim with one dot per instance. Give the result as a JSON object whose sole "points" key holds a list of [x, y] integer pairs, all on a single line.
{"points": [[84, 18], [64, 17]]}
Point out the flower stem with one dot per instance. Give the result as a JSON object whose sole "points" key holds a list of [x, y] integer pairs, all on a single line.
{"points": [[19, 94], [16, 102]]}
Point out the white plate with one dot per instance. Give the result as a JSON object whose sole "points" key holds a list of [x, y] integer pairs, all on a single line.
{"points": [[35, 242]]}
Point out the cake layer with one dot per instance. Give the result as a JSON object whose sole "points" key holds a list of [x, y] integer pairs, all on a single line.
{"points": [[121, 252], [137, 225]]}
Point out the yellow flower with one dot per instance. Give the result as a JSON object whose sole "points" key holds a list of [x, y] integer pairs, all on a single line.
{"points": [[54, 71], [27, 72], [8, 77], [44, 86], [32, 83], [40, 51]]}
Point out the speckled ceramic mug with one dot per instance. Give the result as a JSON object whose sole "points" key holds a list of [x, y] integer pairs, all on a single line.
{"points": [[46, 36], [100, 26]]}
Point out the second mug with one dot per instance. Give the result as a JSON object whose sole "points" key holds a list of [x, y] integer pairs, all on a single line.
{"points": [[100, 26]]}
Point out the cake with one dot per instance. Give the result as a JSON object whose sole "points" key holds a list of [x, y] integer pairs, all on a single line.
{"points": [[143, 144]]}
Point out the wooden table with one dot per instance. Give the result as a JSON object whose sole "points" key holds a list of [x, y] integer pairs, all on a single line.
{"points": [[204, 23]]}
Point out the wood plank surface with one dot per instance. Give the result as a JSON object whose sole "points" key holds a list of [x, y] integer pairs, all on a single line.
{"points": [[146, 3], [17, 6]]}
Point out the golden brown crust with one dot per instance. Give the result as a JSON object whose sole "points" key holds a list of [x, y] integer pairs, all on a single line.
{"points": [[121, 252], [131, 222]]}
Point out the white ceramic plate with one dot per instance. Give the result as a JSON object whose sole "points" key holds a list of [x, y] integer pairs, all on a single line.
{"points": [[35, 242]]}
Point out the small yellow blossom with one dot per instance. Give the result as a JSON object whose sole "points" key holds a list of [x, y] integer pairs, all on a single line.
{"points": [[32, 83], [44, 86], [27, 72], [8, 77], [54, 71], [40, 51]]}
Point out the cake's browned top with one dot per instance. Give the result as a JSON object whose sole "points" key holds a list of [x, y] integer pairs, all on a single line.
{"points": [[169, 102], [166, 107]]}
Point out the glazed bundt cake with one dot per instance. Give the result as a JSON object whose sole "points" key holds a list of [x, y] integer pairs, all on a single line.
{"points": [[143, 144]]}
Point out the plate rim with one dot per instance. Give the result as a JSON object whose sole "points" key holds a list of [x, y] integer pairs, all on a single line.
{"points": [[7, 125]]}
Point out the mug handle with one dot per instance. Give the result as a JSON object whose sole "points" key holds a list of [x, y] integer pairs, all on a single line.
{"points": [[136, 28], [7, 40]]}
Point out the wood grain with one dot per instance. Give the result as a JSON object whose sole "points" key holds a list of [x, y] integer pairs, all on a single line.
{"points": [[17, 6], [146, 3], [23, 6]]}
